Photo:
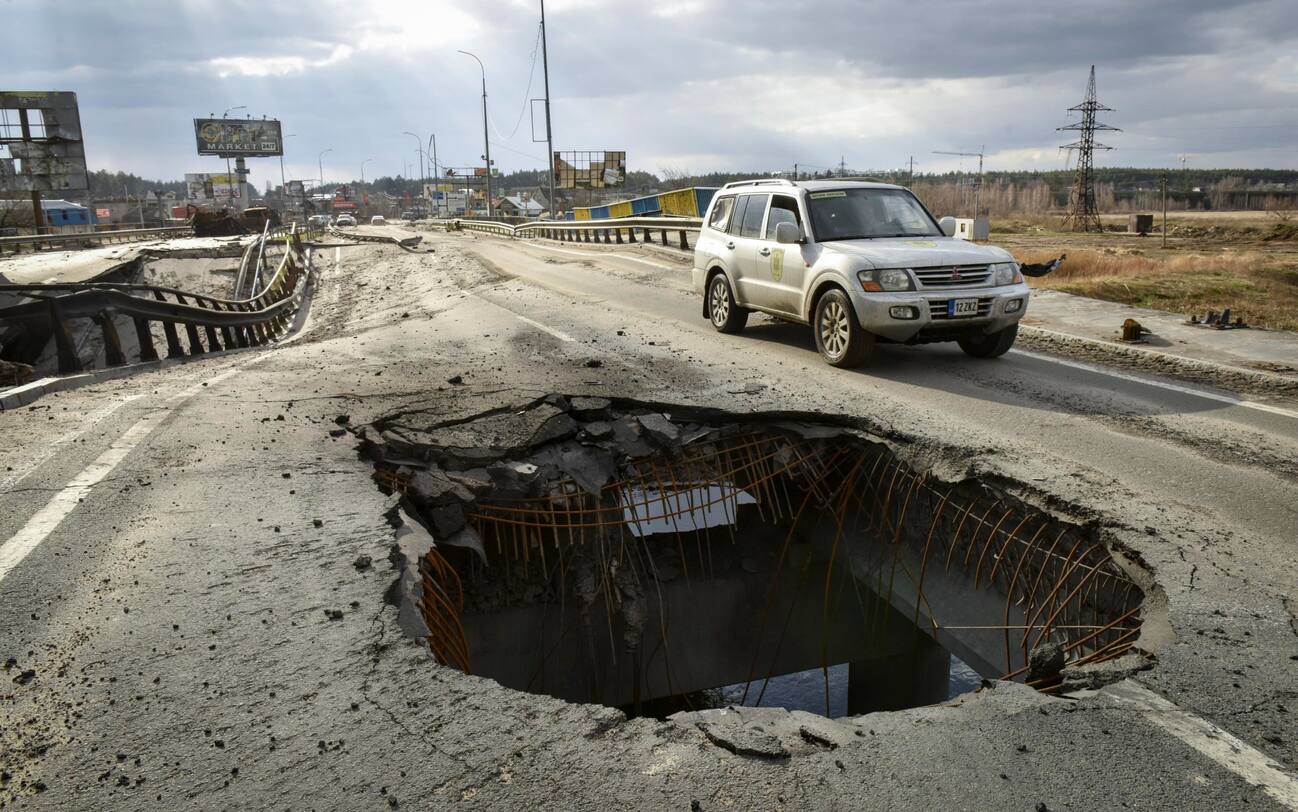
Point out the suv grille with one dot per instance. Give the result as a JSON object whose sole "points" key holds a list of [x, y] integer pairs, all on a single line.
{"points": [[952, 276], [937, 309]]}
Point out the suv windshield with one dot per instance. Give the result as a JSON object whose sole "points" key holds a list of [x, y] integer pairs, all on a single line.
{"points": [[863, 214]]}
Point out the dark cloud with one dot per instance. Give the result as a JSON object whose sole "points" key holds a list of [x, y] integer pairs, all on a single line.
{"points": [[686, 83]]}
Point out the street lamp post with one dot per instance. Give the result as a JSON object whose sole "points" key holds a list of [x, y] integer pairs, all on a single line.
{"points": [[320, 161], [367, 160], [486, 140]]}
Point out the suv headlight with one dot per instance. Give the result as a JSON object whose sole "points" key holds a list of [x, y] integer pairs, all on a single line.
{"points": [[1006, 273], [889, 279]]}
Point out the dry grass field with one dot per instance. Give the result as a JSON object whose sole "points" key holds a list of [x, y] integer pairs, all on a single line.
{"points": [[1247, 261]]}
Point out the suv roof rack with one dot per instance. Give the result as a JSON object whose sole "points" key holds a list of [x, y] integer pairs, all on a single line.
{"points": [[760, 182]]}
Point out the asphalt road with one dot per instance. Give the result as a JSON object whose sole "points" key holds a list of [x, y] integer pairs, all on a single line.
{"points": [[175, 539]]}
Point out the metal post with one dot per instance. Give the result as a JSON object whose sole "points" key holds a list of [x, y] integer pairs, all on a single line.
{"points": [[419, 146], [549, 133], [38, 212], [437, 172], [486, 139], [1163, 186], [320, 161]]}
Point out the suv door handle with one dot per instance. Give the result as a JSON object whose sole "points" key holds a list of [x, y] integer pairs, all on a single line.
{"points": [[766, 252], [730, 245]]}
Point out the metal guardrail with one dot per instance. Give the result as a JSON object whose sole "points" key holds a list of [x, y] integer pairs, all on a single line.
{"points": [[613, 231], [408, 243], [40, 242], [225, 323]]}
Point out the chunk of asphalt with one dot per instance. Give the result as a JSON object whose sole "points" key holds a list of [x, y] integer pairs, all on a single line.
{"points": [[659, 428], [1045, 661], [598, 430], [455, 380], [743, 740], [343, 419], [589, 407], [559, 427], [590, 468], [363, 563]]}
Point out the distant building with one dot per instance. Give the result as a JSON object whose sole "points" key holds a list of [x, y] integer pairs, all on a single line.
{"points": [[517, 206]]}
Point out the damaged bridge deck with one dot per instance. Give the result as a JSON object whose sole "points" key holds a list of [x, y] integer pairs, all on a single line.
{"points": [[200, 610]]}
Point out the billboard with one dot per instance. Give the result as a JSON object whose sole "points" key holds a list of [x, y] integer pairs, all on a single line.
{"points": [[40, 142], [589, 169], [238, 138], [295, 188], [203, 186]]}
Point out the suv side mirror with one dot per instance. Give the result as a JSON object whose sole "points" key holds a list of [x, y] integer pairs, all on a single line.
{"points": [[947, 224], [786, 233]]}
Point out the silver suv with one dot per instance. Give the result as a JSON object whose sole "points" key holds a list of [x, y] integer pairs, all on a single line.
{"points": [[860, 262]]}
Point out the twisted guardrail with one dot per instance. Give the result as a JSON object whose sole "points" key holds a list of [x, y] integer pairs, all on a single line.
{"points": [[612, 231], [408, 243], [40, 242], [210, 324]]}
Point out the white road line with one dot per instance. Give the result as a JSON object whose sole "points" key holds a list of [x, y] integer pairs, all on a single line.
{"points": [[598, 254], [39, 526], [1242, 759], [538, 325], [1186, 390], [88, 422]]}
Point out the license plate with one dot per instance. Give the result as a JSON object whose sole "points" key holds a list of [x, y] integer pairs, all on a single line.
{"points": [[962, 307]]}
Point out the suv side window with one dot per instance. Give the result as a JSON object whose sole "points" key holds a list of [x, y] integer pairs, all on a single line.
{"points": [[783, 210], [752, 223], [737, 217], [721, 213]]}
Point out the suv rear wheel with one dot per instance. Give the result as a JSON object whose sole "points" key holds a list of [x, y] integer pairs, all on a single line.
{"points": [[839, 336], [726, 316], [990, 346]]}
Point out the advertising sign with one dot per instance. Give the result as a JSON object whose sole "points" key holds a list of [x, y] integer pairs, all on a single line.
{"points": [[295, 188], [40, 142], [238, 138], [201, 186], [589, 169]]}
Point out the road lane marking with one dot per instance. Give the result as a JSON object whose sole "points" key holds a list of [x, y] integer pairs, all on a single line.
{"points": [[597, 254], [1185, 390], [1242, 759], [89, 421], [44, 522], [538, 325]]}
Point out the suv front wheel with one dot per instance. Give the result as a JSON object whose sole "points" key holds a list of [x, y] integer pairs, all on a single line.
{"points": [[839, 337], [726, 316], [990, 346]]}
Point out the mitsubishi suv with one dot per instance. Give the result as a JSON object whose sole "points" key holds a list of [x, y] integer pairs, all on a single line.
{"points": [[862, 263]]}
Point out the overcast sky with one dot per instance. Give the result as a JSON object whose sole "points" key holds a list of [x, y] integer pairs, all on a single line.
{"points": [[692, 85]]}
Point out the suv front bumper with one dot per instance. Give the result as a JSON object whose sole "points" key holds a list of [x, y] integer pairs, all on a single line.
{"points": [[933, 321]]}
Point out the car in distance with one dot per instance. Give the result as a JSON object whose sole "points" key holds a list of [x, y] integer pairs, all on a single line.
{"points": [[378, 220], [860, 262], [345, 220], [318, 220]]}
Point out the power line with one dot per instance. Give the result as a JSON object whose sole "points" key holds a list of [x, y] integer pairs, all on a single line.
{"points": [[531, 75]]}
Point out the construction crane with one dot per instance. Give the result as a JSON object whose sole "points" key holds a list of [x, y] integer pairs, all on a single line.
{"points": [[978, 188]]}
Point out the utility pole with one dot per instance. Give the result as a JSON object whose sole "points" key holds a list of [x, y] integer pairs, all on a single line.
{"points": [[1162, 183], [842, 166], [549, 133], [367, 160], [910, 173], [795, 173], [1083, 215], [437, 172], [486, 139]]}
